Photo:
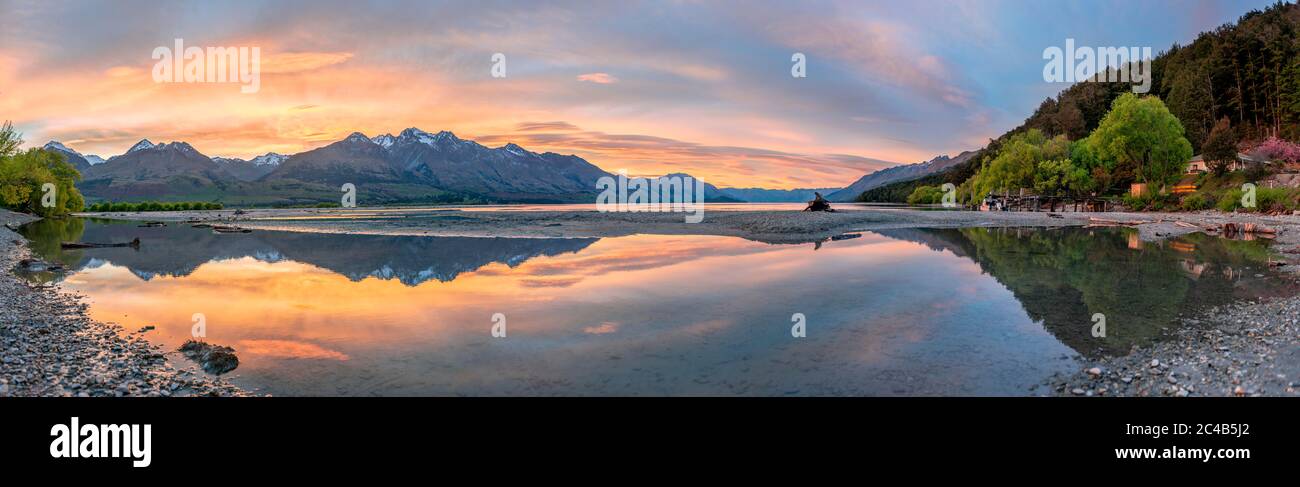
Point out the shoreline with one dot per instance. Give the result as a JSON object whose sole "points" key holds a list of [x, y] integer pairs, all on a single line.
{"points": [[51, 346], [768, 226], [1246, 348]]}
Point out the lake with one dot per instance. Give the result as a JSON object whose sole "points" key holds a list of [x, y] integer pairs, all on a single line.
{"points": [[977, 311]]}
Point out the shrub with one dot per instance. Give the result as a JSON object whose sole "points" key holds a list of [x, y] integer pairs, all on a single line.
{"points": [[925, 195], [1274, 199], [1230, 201], [1196, 202]]}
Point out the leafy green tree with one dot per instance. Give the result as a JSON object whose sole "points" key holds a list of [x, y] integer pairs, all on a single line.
{"points": [[26, 175], [1220, 149], [1017, 162], [925, 195], [1142, 132], [1061, 177], [9, 139]]}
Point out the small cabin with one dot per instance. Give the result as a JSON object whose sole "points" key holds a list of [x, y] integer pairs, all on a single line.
{"points": [[1197, 164]]}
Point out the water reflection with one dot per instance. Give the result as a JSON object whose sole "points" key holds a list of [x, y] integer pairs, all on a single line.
{"points": [[910, 312], [178, 250], [1063, 276]]}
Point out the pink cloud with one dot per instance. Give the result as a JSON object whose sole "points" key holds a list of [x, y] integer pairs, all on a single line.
{"points": [[599, 78]]}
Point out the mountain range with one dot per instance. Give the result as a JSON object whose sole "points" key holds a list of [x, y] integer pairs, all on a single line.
{"points": [[899, 173], [764, 195], [413, 166]]}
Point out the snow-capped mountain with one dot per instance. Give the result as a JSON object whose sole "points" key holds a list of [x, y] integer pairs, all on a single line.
{"points": [[56, 145], [269, 159], [246, 170], [146, 161], [141, 145], [385, 140], [81, 162], [414, 165], [444, 161]]}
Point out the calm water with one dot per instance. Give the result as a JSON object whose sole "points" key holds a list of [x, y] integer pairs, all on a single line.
{"points": [[900, 312]]}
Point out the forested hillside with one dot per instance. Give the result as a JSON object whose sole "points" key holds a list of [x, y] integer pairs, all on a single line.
{"points": [[1247, 72]]}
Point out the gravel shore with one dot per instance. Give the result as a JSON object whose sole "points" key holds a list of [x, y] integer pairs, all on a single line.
{"points": [[1242, 349], [51, 347]]}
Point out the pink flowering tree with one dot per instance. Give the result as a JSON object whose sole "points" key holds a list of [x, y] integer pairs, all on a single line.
{"points": [[1276, 149]]}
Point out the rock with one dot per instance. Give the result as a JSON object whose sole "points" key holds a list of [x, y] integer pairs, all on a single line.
{"points": [[215, 359], [1095, 371], [1077, 391]]}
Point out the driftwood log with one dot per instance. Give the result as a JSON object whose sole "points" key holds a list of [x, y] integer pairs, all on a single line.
{"points": [[90, 245]]}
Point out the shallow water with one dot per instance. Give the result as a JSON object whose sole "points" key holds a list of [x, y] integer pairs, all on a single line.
{"points": [[900, 312]]}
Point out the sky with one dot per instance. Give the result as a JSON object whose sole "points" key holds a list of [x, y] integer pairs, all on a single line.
{"points": [[653, 87]]}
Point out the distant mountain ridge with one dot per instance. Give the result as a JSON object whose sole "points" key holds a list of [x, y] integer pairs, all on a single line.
{"points": [[447, 162], [764, 195], [250, 170], [413, 166], [899, 173]]}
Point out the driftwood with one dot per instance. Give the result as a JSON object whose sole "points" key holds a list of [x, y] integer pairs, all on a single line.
{"points": [[151, 224], [1255, 228], [1103, 222], [135, 244], [229, 229], [845, 236], [1229, 229]]}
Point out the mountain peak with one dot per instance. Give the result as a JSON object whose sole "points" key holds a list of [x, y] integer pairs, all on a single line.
{"points": [[358, 137], [428, 138], [141, 145], [176, 146], [269, 159], [384, 140], [56, 145], [515, 149]]}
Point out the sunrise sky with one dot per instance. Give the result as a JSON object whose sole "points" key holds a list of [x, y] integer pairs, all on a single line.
{"points": [[652, 87]]}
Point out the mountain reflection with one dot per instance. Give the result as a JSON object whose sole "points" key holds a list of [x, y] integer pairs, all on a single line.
{"points": [[177, 250], [1063, 276]]}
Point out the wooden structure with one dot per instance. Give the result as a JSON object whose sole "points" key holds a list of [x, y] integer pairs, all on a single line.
{"points": [[1023, 200], [1186, 185]]}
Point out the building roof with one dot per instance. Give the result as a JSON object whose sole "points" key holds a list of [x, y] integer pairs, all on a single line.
{"points": [[1240, 157]]}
